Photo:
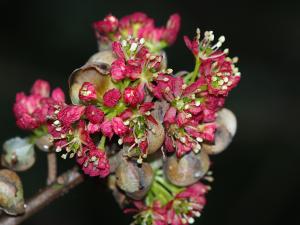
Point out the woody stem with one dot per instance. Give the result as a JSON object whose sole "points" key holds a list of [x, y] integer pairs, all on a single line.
{"points": [[62, 185]]}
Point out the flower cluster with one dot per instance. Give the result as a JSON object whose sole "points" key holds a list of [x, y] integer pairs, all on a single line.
{"points": [[182, 208], [137, 25], [140, 104], [32, 111]]}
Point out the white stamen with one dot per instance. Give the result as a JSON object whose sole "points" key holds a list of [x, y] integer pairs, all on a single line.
{"points": [[226, 51], [169, 71], [56, 122], [199, 139], [140, 160], [124, 43], [120, 141], [183, 139], [191, 220], [142, 41], [235, 59], [133, 47], [222, 39]]}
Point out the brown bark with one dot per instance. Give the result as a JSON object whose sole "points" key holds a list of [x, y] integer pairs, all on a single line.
{"points": [[62, 184]]}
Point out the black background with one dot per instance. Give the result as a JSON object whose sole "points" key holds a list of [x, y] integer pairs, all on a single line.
{"points": [[257, 178]]}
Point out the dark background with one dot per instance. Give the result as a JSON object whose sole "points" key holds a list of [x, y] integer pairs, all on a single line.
{"points": [[256, 179]]}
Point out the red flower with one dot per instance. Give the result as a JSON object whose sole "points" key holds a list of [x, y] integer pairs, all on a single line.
{"points": [[192, 45], [87, 92], [172, 29], [221, 75], [34, 110], [118, 69], [93, 128], [111, 97], [27, 122], [187, 205], [132, 96], [41, 88], [70, 138], [107, 25], [58, 95], [94, 115], [118, 126], [70, 114], [106, 129], [94, 162], [156, 214]]}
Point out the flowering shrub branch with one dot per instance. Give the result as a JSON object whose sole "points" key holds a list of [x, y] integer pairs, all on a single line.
{"points": [[133, 120]]}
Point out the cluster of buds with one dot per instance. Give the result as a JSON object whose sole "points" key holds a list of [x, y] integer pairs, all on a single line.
{"points": [[132, 119]]}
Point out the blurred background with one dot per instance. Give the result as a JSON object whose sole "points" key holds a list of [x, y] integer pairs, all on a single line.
{"points": [[256, 179]]}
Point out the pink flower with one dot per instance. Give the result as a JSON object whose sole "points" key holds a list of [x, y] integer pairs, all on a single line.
{"points": [[157, 213], [137, 18], [94, 162], [208, 132], [221, 75], [107, 25], [70, 138], [118, 69], [187, 205], [34, 110], [94, 115], [41, 88], [27, 122], [192, 45], [30, 111], [70, 114], [93, 128], [172, 29], [111, 97], [132, 96], [58, 95], [146, 107], [118, 126], [126, 114], [117, 49], [170, 116], [107, 129], [87, 92]]}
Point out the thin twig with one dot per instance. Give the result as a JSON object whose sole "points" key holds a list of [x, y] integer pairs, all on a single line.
{"points": [[52, 168], [63, 184]]}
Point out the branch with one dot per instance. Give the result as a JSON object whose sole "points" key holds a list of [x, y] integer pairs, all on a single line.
{"points": [[52, 168], [63, 184]]}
